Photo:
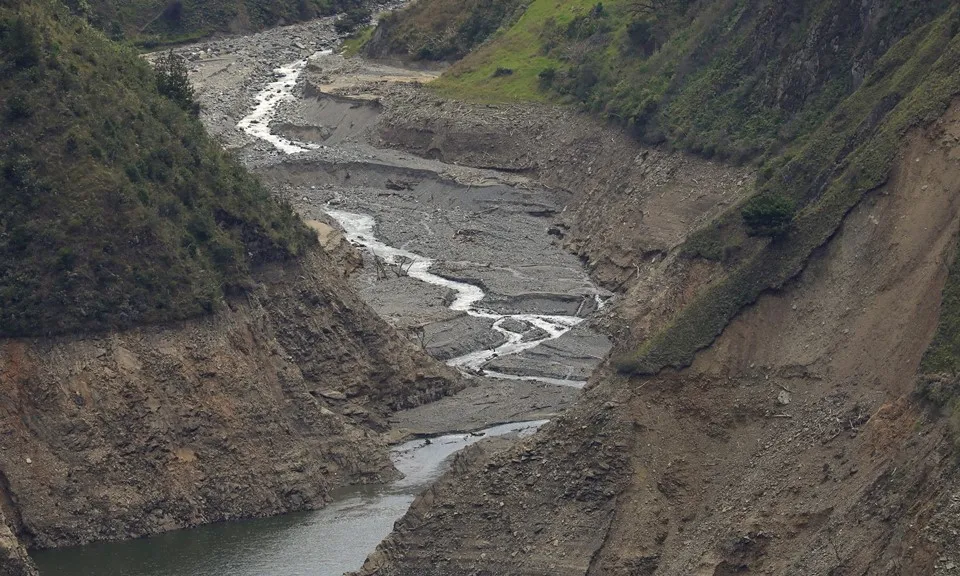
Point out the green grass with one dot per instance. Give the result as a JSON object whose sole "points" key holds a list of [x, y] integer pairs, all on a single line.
{"points": [[116, 208], [353, 45], [519, 49], [442, 30]]}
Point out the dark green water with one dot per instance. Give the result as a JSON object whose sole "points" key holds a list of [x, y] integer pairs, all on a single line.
{"points": [[327, 542]]}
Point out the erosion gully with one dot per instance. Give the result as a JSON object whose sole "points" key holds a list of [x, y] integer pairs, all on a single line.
{"points": [[491, 294]]}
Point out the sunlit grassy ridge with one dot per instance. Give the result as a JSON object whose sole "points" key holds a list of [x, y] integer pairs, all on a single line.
{"points": [[116, 207], [518, 49]]}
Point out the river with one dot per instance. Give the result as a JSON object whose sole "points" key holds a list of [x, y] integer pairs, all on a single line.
{"points": [[326, 542], [338, 537]]}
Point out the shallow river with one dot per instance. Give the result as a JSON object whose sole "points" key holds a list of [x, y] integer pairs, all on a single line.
{"points": [[338, 538]]}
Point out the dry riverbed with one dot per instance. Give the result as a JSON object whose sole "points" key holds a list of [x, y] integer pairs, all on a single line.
{"points": [[307, 120]]}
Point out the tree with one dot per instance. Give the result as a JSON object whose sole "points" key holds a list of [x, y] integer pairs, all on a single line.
{"points": [[173, 81], [768, 215]]}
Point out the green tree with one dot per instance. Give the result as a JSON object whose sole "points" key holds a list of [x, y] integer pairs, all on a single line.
{"points": [[173, 81]]}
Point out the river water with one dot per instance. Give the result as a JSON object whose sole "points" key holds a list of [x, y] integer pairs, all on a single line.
{"points": [[325, 542], [338, 538]]}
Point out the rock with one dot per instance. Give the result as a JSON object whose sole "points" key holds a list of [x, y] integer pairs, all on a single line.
{"points": [[783, 398], [332, 394], [14, 560]]}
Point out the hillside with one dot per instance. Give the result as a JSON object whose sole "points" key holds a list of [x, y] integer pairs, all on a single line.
{"points": [[782, 397], [176, 348], [152, 22], [117, 208], [440, 31]]}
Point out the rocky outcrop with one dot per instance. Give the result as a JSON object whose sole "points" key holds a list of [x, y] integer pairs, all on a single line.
{"points": [[258, 410], [13, 557]]}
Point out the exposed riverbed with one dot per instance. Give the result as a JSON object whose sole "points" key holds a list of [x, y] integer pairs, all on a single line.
{"points": [[459, 256]]}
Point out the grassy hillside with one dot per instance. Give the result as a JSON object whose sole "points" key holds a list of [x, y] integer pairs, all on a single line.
{"points": [[735, 78], [153, 22], [116, 208], [848, 154], [432, 30]]}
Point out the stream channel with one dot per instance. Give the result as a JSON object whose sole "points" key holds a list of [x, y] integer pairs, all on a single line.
{"points": [[502, 303]]}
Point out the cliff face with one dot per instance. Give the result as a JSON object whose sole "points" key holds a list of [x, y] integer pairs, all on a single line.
{"points": [[260, 409]]}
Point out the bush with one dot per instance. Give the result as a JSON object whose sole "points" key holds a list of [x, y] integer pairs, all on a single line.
{"points": [[640, 36], [500, 72], [19, 43], [768, 215], [546, 77]]}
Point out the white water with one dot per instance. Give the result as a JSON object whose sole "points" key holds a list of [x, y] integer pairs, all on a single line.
{"points": [[360, 230], [257, 123]]}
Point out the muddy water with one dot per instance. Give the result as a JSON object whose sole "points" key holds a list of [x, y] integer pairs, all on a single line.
{"points": [[326, 542]]}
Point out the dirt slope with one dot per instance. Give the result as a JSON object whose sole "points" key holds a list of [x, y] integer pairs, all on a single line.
{"points": [[630, 203], [261, 409], [792, 446]]}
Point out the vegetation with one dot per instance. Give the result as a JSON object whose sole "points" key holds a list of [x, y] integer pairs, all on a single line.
{"points": [[349, 21], [733, 78], [942, 392], [768, 215], [116, 208], [849, 154], [355, 43], [442, 29], [152, 23], [173, 81], [740, 80], [939, 383]]}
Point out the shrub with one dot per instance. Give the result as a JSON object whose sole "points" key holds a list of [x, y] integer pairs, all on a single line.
{"points": [[640, 36], [20, 43], [768, 215], [546, 77], [18, 108], [500, 72]]}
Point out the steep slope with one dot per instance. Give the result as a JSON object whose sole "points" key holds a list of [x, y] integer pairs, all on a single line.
{"points": [[762, 413], [260, 409], [175, 346], [150, 22], [13, 557], [117, 208], [440, 31]]}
